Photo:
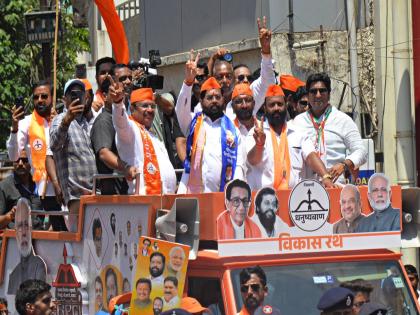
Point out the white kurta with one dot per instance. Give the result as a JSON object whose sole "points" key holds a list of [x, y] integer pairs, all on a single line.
{"points": [[262, 174], [130, 149], [211, 164], [259, 86], [19, 141], [342, 139], [279, 226]]}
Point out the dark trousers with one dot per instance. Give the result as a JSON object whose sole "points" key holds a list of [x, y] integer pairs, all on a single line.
{"points": [[49, 203]]}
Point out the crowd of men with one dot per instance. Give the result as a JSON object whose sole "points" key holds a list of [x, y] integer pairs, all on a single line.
{"points": [[225, 124]]}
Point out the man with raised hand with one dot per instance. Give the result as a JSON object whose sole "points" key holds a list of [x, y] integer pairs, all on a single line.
{"points": [[214, 151], [31, 133], [278, 161], [139, 148]]}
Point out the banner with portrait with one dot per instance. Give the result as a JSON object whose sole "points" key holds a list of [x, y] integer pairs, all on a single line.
{"points": [[159, 280], [355, 218]]}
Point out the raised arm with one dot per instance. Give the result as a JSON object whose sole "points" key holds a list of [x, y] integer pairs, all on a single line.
{"points": [[255, 155]]}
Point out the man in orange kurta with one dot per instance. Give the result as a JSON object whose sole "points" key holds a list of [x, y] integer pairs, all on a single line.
{"points": [[234, 222]]}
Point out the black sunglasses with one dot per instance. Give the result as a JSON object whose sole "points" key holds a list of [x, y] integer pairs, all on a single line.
{"points": [[201, 77], [37, 96], [24, 160], [303, 103], [242, 77], [315, 91], [254, 287], [125, 77]]}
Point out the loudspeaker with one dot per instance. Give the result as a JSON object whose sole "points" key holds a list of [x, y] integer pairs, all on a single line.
{"points": [[181, 224], [411, 208]]}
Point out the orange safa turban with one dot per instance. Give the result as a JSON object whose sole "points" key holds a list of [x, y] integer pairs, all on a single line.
{"points": [[144, 94], [274, 90], [289, 82], [241, 89], [88, 86], [210, 84]]}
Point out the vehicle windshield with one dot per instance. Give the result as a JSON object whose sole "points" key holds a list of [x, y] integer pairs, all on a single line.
{"points": [[296, 289]]}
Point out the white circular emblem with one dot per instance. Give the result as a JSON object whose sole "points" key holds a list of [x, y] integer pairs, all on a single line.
{"points": [[309, 205], [151, 169], [267, 309], [348, 301], [38, 144]]}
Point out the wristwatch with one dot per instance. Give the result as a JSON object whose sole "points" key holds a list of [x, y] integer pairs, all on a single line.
{"points": [[327, 176]]}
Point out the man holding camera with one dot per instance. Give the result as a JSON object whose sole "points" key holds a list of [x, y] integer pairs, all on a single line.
{"points": [[30, 133], [71, 147]]}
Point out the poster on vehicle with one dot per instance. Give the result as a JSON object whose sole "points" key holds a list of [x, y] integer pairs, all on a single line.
{"points": [[158, 283], [258, 223]]}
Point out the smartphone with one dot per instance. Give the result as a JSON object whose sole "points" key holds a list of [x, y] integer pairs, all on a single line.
{"points": [[19, 102], [74, 95]]}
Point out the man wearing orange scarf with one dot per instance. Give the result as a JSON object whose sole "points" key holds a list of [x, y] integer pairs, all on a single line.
{"points": [[234, 223], [214, 149], [275, 150], [137, 145], [31, 133]]}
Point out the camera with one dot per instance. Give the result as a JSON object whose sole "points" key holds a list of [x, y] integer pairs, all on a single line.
{"points": [[149, 78], [74, 95]]}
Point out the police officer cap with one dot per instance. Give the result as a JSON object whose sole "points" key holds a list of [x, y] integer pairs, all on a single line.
{"points": [[267, 310], [373, 309], [176, 311], [336, 299]]}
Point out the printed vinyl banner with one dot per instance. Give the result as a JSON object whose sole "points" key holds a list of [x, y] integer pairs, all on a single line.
{"points": [[311, 230], [160, 276]]}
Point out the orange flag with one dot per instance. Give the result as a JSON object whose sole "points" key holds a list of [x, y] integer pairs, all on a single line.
{"points": [[115, 30]]}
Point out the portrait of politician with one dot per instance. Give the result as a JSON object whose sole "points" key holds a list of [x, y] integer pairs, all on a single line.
{"points": [[234, 223], [383, 217], [351, 210], [97, 236], [31, 266], [266, 205], [143, 290], [176, 261]]}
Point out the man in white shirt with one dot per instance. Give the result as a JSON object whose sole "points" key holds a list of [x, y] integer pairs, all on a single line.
{"points": [[278, 161], [227, 77], [335, 136], [170, 293], [31, 133], [214, 150], [137, 146], [243, 104]]}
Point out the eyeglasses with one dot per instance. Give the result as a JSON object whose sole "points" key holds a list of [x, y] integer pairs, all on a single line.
{"points": [[303, 103], [359, 304], [37, 96], [255, 287], [200, 77], [220, 77], [315, 91], [146, 106], [24, 160], [239, 101], [125, 77], [242, 77], [237, 202]]}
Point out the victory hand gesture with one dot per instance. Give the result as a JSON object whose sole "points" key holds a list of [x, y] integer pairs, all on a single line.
{"points": [[264, 35], [191, 68], [116, 90], [259, 134]]}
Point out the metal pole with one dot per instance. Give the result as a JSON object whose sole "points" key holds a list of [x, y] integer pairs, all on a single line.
{"points": [[291, 35], [402, 82], [354, 73]]}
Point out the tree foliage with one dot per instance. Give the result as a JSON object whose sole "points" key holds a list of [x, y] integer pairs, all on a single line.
{"points": [[21, 62]]}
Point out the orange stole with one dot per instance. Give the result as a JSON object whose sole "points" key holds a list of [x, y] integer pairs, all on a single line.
{"points": [[225, 228], [151, 171], [38, 143], [281, 159]]}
